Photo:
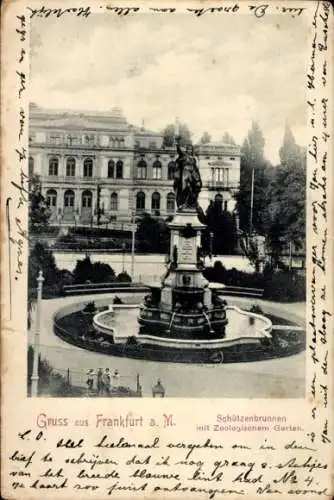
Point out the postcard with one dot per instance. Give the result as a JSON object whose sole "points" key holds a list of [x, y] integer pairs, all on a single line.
{"points": [[167, 250]]}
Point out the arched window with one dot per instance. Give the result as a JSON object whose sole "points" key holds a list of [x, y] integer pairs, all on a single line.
{"points": [[51, 198], [156, 169], [86, 199], [70, 167], [140, 201], [141, 169], [69, 198], [111, 169], [88, 167], [31, 166], [113, 201], [53, 166], [119, 169], [170, 202], [155, 201], [171, 170]]}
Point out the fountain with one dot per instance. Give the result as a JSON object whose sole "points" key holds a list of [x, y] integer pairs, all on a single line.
{"points": [[183, 318], [184, 306]]}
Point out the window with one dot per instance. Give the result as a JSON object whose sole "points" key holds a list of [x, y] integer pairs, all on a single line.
{"points": [[140, 201], [220, 175], [155, 201], [119, 169], [69, 198], [111, 169], [114, 201], [31, 166], [72, 140], [89, 140], [141, 169], [86, 199], [170, 202], [55, 139], [225, 206], [88, 167], [152, 145], [53, 166], [171, 170], [156, 170], [70, 167], [51, 198], [232, 158]]}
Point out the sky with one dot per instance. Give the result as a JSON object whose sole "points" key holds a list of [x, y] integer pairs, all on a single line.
{"points": [[215, 73]]}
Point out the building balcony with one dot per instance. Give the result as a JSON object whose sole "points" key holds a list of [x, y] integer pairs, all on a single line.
{"points": [[222, 186], [151, 181], [80, 147], [61, 179]]}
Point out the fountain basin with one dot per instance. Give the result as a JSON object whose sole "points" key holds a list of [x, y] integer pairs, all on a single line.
{"points": [[242, 327]]}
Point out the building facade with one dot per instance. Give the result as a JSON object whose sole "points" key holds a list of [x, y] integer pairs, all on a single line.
{"points": [[87, 160]]}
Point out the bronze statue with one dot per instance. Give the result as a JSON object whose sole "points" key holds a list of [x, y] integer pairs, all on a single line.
{"points": [[187, 179]]}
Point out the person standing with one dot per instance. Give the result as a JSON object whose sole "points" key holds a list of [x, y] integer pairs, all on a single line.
{"points": [[99, 382], [90, 380], [116, 379], [106, 382]]}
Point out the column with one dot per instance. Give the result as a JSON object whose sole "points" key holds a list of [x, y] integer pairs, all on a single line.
{"points": [[35, 376]]}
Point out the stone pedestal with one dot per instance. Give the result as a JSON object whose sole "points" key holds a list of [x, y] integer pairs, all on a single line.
{"points": [[186, 309]]}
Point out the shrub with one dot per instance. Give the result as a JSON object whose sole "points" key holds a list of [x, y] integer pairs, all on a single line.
{"points": [[117, 300], [282, 286], [98, 272], [49, 381], [90, 308], [123, 277]]}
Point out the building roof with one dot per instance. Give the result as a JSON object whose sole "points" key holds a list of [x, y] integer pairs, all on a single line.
{"points": [[75, 119]]}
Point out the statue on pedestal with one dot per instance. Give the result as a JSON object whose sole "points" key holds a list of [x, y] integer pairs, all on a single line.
{"points": [[187, 179]]}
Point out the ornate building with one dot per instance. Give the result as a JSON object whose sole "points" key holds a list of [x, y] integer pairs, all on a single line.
{"points": [[87, 160]]}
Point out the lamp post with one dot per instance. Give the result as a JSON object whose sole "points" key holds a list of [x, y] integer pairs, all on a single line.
{"points": [[133, 240], [123, 262], [211, 245], [34, 376], [251, 204], [98, 202]]}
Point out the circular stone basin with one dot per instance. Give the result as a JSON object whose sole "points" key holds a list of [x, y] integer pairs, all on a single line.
{"points": [[121, 322], [114, 331]]}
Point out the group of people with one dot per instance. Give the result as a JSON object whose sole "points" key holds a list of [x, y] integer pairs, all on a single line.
{"points": [[105, 381]]}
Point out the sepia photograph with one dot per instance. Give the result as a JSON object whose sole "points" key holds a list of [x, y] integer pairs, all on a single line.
{"points": [[167, 206]]}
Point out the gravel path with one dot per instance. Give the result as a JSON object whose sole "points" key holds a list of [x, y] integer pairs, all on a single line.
{"points": [[277, 378]]}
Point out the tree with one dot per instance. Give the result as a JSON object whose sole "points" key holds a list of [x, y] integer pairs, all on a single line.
{"points": [[39, 212], [152, 234], [287, 197], [228, 139], [42, 258], [169, 135], [252, 158], [222, 226], [205, 139]]}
